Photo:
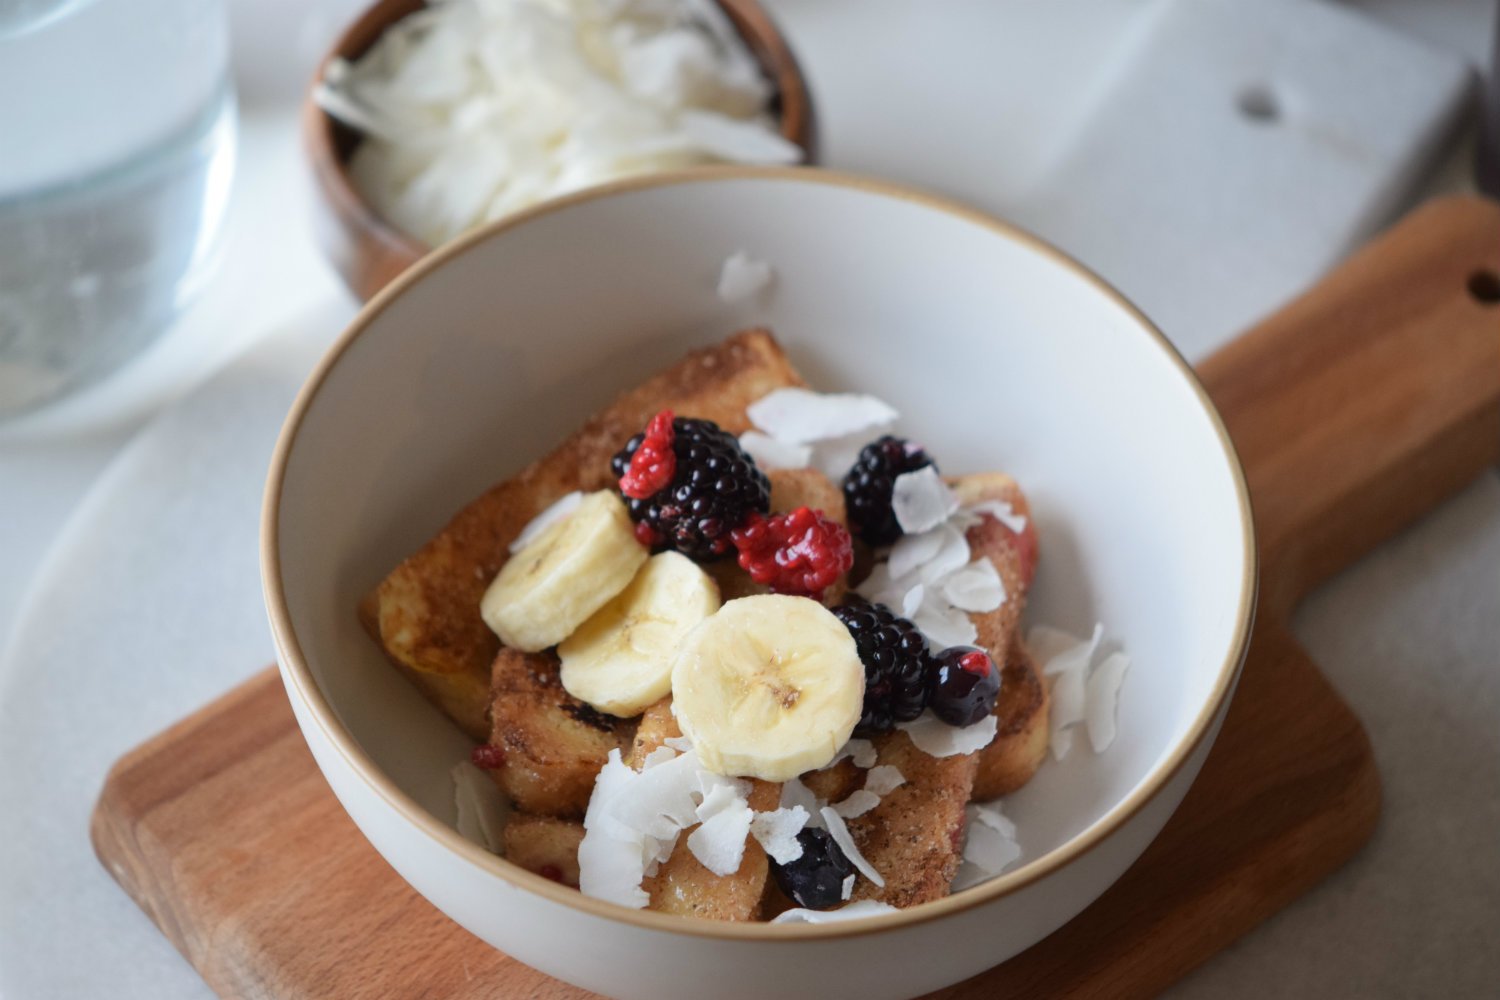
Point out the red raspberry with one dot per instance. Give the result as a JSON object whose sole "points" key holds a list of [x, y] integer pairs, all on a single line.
{"points": [[487, 756], [799, 553], [654, 463]]}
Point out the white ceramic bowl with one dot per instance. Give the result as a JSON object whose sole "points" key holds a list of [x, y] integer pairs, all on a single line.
{"points": [[1000, 352]]}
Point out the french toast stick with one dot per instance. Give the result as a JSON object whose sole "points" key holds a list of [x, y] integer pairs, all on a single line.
{"points": [[1020, 743], [912, 838], [681, 884], [545, 845], [554, 745], [425, 614]]}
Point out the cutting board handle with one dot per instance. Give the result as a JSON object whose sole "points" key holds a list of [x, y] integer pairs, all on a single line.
{"points": [[1372, 397]]}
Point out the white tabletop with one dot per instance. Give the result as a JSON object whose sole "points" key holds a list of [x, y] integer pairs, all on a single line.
{"points": [[1408, 635]]}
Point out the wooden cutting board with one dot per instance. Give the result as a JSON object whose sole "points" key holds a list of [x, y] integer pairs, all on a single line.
{"points": [[1355, 410]]}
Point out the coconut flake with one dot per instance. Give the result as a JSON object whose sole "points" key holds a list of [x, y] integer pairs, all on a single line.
{"points": [[945, 625], [660, 755], [911, 552], [1002, 511], [1067, 710], [884, 779], [859, 802], [921, 500], [743, 277], [796, 795], [912, 602], [862, 752], [952, 555], [1102, 697], [719, 841], [853, 911], [554, 512], [776, 832], [483, 810], [989, 847], [975, 587], [848, 889], [1058, 651], [840, 834], [801, 416], [682, 744], [612, 857], [936, 738], [836, 456], [473, 109], [773, 453]]}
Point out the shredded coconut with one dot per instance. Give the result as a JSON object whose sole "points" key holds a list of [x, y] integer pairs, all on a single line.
{"points": [[989, 847], [1080, 694], [776, 832], [801, 416], [1102, 696], [861, 752], [743, 277], [719, 841], [773, 453], [473, 109], [859, 802], [854, 911], [848, 889], [483, 810], [840, 834], [921, 500], [884, 779], [936, 738]]}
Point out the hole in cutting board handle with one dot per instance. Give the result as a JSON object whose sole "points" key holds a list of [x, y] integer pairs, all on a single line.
{"points": [[1484, 287], [1258, 103]]}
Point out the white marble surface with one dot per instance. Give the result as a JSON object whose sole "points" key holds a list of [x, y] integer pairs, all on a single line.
{"points": [[117, 638]]}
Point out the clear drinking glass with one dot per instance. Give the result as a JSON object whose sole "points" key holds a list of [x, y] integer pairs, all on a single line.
{"points": [[116, 148]]}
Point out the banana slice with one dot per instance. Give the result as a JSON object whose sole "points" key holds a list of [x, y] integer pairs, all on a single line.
{"points": [[572, 569], [620, 660], [768, 687]]}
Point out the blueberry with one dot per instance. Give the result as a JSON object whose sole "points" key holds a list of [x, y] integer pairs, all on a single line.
{"points": [[816, 879], [963, 685]]}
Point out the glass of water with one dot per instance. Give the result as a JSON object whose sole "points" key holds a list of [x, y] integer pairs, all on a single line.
{"points": [[116, 148]]}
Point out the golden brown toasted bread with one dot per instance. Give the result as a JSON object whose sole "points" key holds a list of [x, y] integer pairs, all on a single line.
{"points": [[425, 614], [1020, 743], [790, 489], [681, 884], [913, 836], [1013, 554], [545, 845], [834, 784], [554, 744]]}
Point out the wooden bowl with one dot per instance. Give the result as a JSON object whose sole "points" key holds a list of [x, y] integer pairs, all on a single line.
{"points": [[368, 251]]}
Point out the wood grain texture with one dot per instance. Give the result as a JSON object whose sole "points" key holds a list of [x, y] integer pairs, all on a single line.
{"points": [[368, 252], [1355, 410]]}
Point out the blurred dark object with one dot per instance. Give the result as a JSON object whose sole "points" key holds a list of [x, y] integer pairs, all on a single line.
{"points": [[1487, 166]]}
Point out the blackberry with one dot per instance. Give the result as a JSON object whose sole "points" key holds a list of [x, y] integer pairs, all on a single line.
{"points": [[964, 685], [816, 879], [714, 488], [896, 662], [869, 483]]}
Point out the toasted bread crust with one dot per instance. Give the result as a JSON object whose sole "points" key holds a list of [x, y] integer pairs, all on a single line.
{"points": [[554, 744], [1020, 743], [913, 836], [544, 845], [682, 885], [425, 614]]}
